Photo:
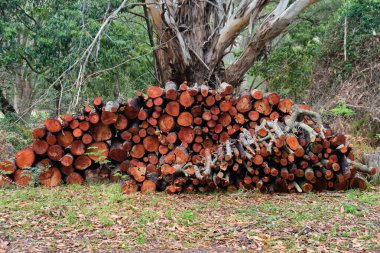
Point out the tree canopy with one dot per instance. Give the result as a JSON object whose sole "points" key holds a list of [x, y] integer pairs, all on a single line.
{"points": [[48, 47]]}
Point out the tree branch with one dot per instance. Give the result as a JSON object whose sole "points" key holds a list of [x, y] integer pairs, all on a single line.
{"points": [[246, 11], [271, 27]]}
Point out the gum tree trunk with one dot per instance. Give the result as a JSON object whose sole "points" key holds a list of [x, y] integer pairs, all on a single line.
{"points": [[192, 37]]}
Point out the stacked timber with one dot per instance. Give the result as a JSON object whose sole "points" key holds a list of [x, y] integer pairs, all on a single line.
{"points": [[191, 138]]}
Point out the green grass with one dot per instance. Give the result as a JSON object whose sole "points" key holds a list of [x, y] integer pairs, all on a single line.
{"points": [[104, 220]]}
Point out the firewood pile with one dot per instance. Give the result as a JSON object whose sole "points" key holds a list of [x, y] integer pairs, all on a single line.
{"points": [[187, 139]]}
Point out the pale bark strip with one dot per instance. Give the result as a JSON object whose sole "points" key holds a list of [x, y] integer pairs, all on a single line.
{"points": [[265, 34], [247, 10]]}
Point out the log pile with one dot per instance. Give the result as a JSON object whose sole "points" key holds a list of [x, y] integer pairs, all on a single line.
{"points": [[191, 138]]}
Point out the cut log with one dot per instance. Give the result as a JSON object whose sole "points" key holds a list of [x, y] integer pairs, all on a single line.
{"points": [[82, 162], [65, 138], [166, 123], [67, 160], [94, 117], [84, 126], [129, 187], [138, 173], [256, 94], [7, 167], [121, 122], [181, 155], [358, 182], [86, 139], [53, 125], [138, 151], [117, 151], [25, 158], [185, 99], [225, 89], [23, 177], [74, 178], [51, 139], [40, 147], [67, 170], [108, 118], [97, 151], [186, 135], [171, 90], [244, 103], [98, 102], [52, 177], [185, 119], [55, 152], [273, 98], [263, 107], [151, 143], [101, 132], [39, 133], [154, 92], [132, 108], [292, 142]]}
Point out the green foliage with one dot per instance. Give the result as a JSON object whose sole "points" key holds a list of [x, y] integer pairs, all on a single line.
{"points": [[349, 208], [187, 217], [364, 126], [342, 109], [45, 38], [98, 154], [119, 174], [289, 67], [363, 22], [316, 39], [377, 136], [17, 134], [34, 173]]}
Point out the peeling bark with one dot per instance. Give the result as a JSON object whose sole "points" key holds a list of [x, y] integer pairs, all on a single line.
{"points": [[194, 36]]}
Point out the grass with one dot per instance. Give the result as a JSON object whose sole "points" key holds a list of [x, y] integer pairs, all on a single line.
{"points": [[100, 218]]}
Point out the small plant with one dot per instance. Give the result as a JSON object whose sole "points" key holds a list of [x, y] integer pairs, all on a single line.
{"points": [[349, 208], [377, 136], [187, 217], [34, 173], [71, 216], [342, 109], [99, 154], [106, 222], [141, 239], [119, 174]]}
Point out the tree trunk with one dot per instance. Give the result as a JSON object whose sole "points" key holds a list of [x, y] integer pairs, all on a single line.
{"points": [[5, 106], [183, 32], [194, 36], [23, 93]]}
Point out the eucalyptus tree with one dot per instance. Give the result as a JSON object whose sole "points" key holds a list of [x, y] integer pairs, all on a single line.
{"points": [[193, 37]]}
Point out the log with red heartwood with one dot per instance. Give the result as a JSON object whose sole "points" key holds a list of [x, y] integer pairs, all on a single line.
{"points": [[190, 138]]}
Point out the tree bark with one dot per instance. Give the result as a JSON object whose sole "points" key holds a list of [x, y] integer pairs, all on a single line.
{"points": [[194, 36], [6, 107]]}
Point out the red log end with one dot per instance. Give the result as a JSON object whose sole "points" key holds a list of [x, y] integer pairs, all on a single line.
{"points": [[154, 92], [25, 158], [97, 151], [51, 178], [53, 125], [7, 167], [148, 186]]}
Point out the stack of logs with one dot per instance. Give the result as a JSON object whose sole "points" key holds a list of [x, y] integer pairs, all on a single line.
{"points": [[191, 139]]}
